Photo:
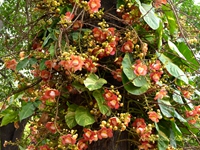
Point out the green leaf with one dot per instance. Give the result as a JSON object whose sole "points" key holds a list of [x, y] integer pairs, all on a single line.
{"points": [[93, 82], [80, 87], [149, 15], [133, 89], [70, 116], [173, 69], [166, 108], [175, 134], [163, 140], [32, 61], [27, 110], [42, 64], [104, 109], [172, 24], [22, 64], [83, 116], [9, 115], [188, 54], [48, 38], [52, 50], [120, 2], [127, 62], [177, 97], [159, 32], [173, 47]]}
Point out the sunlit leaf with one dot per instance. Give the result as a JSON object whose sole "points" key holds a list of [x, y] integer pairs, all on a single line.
{"points": [[104, 109], [26, 111], [149, 15], [83, 116], [127, 63], [173, 69], [93, 82]]}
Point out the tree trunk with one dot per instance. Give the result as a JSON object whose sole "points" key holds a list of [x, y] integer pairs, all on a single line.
{"points": [[10, 133]]}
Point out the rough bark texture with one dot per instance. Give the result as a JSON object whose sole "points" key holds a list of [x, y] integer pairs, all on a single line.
{"points": [[10, 133]]}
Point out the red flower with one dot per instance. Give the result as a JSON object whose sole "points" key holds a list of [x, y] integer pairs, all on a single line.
{"points": [[90, 66], [153, 116], [77, 25], [145, 136], [51, 94], [94, 5], [191, 113], [90, 135], [105, 133], [114, 121], [127, 47], [186, 94], [45, 75], [155, 76], [108, 95], [68, 139], [155, 66], [51, 64], [139, 123], [11, 64], [65, 64], [145, 146], [113, 104], [127, 18], [158, 3], [51, 127], [110, 49], [76, 63], [192, 121], [99, 35], [69, 16], [44, 147], [82, 144], [117, 74], [140, 69], [162, 93], [197, 109]]}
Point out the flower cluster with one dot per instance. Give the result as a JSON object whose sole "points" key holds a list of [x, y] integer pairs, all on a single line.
{"points": [[146, 137], [112, 100], [193, 115]]}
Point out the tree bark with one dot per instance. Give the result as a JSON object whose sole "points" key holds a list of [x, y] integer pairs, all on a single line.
{"points": [[10, 133]]}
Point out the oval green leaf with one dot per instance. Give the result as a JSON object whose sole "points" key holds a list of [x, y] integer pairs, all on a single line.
{"points": [[83, 116]]}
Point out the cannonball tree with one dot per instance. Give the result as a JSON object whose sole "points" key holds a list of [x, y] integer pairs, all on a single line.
{"points": [[102, 75]]}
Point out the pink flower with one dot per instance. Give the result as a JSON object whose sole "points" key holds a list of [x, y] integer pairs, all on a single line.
{"points": [[117, 74], [158, 3], [139, 123], [127, 47], [145, 146], [113, 104], [155, 76], [69, 16], [45, 75], [140, 69], [162, 93], [127, 18], [197, 109], [51, 94], [89, 65], [68, 139], [82, 145], [155, 66], [76, 63], [153, 116], [191, 113], [51, 127], [94, 5], [114, 121], [186, 94], [44, 147], [105, 133], [90, 135], [11, 64]]}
